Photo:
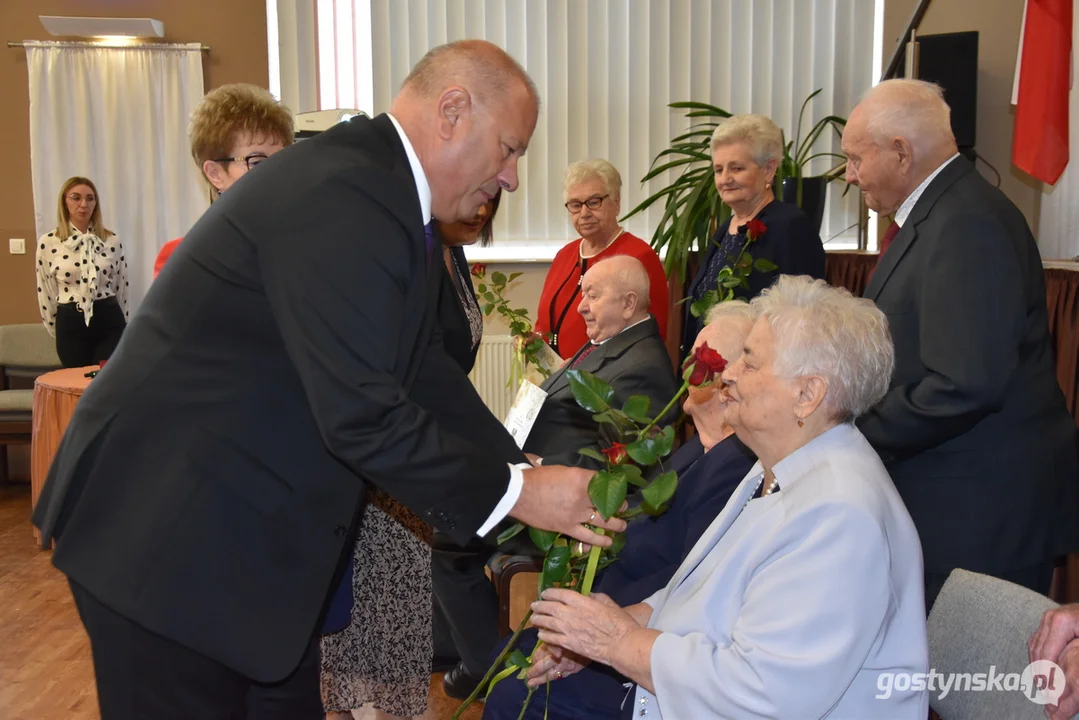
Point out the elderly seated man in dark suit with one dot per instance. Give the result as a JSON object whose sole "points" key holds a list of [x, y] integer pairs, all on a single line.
{"points": [[627, 353], [710, 466]]}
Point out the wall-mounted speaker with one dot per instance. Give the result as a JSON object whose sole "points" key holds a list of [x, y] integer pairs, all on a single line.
{"points": [[951, 61]]}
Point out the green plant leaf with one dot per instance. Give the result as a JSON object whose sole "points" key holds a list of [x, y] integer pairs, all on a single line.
{"points": [[664, 442], [488, 309], [636, 408], [607, 490], [482, 288], [618, 541], [513, 276], [590, 392], [556, 568], [543, 539], [633, 476], [510, 532], [643, 451], [498, 278], [661, 490], [592, 453], [517, 659], [764, 265]]}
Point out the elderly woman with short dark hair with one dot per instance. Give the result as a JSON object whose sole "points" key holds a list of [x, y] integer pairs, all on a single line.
{"points": [[807, 587], [746, 151]]}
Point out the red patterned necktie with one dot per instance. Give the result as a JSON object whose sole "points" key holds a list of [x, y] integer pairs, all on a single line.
{"points": [[583, 354]]}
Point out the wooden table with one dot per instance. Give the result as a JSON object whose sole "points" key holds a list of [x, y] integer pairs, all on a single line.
{"points": [[56, 394]]}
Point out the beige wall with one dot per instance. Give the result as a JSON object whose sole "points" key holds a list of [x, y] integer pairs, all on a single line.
{"points": [[998, 23], [235, 29]]}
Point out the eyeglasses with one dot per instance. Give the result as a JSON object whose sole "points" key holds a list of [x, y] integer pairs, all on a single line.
{"points": [[249, 162], [76, 198], [593, 203]]}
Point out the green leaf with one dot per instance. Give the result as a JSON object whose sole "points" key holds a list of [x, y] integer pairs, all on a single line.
{"points": [[510, 532], [481, 289], [661, 490], [488, 309], [556, 568], [643, 451], [514, 276], [618, 541], [764, 265], [607, 490], [592, 453], [633, 476], [590, 392], [498, 278], [636, 408], [664, 443], [543, 539], [490, 297], [517, 659]]}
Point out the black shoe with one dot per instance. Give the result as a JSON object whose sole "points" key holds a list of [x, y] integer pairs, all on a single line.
{"points": [[443, 663], [458, 683]]}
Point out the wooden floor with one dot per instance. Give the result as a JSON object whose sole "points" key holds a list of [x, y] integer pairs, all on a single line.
{"points": [[45, 667]]}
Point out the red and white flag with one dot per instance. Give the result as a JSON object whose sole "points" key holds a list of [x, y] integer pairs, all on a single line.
{"points": [[1043, 81]]}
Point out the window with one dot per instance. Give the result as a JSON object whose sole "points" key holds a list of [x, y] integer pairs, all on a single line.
{"points": [[606, 70]]}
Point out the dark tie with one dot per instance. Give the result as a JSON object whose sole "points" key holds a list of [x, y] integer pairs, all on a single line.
{"points": [[588, 349], [429, 237], [886, 241]]}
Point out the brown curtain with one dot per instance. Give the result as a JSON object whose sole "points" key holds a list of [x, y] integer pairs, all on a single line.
{"points": [[1062, 299], [850, 270]]}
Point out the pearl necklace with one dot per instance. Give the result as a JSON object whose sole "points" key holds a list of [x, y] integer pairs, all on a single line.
{"points": [[765, 493], [580, 248]]}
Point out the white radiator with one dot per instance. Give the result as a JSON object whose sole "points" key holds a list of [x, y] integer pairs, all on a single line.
{"points": [[491, 374]]}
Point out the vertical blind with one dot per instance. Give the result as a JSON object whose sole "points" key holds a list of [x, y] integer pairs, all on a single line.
{"points": [[606, 71]]}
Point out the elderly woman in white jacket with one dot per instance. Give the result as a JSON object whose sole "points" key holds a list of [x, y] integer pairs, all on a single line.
{"points": [[807, 587]]}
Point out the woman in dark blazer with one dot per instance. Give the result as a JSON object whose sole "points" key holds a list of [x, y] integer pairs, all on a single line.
{"points": [[383, 655], [746, 150]]}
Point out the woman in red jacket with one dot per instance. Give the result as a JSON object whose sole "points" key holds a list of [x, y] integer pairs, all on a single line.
{"points": [[592, 192]]}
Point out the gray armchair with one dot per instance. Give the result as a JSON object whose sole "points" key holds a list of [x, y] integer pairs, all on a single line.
{"points": [[978, 622], [26, 351]]}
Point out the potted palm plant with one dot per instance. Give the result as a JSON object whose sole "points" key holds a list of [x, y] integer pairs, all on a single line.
{"points": [[808, 192]]}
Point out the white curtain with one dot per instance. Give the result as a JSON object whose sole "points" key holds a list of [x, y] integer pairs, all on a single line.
{"points": [[606, 70], [1058, 223], [118, 115]]}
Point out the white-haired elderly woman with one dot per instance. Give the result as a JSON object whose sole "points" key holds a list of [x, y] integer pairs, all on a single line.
{"points": [[592, 192], [746, 150], [803, 599]]}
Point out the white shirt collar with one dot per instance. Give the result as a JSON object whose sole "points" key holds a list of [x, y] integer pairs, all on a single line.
{"points": [[423, 188], [903, 213], [627, 327]]}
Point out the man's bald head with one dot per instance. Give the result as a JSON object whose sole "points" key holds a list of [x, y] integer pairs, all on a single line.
{"points": [[614, 295], [468, 110], [485, 69]]}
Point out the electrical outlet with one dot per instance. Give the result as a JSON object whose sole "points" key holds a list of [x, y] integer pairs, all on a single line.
{"points": [[16, 246]]}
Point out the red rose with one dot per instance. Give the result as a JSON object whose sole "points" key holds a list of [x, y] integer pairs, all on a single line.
{"points": [[479, 270], [616, 453], [755, 228], [702, 367]]}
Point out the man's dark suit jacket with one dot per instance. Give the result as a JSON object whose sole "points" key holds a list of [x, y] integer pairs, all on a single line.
{"points": [[210, 476], [654, 550], [634, 362], [974, 429]]}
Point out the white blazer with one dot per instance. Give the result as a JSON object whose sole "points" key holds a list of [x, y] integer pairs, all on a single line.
{"points": [[792, 605]]}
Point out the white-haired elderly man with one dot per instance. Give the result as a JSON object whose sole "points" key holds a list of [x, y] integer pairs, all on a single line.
{"points": [[624, 350], [974, 428], [804, 596]]}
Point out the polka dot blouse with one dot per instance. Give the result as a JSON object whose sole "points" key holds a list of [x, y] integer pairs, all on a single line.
{"points": [[81, 269]]}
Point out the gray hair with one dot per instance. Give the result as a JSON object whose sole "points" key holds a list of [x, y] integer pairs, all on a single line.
{"points": [[732, 309], [826, 331], [756, 132], [584, 170], [910, 109], [631, 276]]}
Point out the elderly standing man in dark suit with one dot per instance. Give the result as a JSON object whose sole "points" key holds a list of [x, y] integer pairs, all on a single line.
{"points": [[974, 429], [208, 485], [626, 352]]}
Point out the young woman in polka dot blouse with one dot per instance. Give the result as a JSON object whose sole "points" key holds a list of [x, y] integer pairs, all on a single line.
{"points": [[82, 279]]}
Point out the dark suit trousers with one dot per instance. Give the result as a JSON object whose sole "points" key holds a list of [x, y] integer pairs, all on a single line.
{"points": [[465, 602], [143, 676], [1036, 577]]}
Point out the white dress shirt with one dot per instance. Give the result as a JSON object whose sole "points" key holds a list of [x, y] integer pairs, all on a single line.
{"points": [[903, 212], [63, 276], [423, 189]]}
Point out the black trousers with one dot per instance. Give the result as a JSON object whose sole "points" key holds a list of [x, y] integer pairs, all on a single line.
{"points": [[1036, 577], [465, 601], [143, 676], [79, 344]]}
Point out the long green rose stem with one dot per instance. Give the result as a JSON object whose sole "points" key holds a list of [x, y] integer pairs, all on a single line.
{"points": [[497, 663], [524, 706], [593, 563], [681, 391]]}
